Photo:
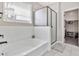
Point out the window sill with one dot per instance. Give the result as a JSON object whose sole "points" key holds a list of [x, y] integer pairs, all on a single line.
{"points": [[17, 21]]}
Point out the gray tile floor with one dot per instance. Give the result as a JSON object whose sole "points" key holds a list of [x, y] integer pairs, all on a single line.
{"points": [[60, 49]]}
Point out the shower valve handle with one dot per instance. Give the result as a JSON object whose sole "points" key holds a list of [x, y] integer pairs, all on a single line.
{"points": [[2, 36]]}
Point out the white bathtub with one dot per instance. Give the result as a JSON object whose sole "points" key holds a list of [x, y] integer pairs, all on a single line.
{"points": [[20, 42], [30, 47]]}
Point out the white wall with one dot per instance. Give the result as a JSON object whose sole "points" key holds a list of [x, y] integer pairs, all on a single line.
{"points": [[71, 15], [69, 5], [36, 6]]}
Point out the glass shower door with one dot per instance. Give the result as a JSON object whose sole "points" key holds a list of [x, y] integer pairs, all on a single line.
{"points": [[41, 17], [53, 27], [47, 17], [52, 23]]}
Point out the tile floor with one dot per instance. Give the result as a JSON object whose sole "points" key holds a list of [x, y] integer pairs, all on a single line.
{"points": [[60, 49]]}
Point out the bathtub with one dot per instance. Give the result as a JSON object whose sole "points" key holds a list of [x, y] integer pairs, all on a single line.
{"points": [[21, 44], [28, 47]]}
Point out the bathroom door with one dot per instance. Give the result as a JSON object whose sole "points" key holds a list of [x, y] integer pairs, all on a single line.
{"points": [[53, 27]]}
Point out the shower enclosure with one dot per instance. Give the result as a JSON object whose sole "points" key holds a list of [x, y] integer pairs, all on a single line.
{"points": [[47, 17]]}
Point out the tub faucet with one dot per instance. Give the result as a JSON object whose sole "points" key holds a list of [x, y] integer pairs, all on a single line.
{"points": [[3, 42]]}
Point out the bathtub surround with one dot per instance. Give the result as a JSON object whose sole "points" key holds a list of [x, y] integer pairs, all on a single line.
{"points": [[14, 34], [20, 40], [29, 47]]}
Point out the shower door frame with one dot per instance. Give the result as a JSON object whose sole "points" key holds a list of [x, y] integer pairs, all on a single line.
{"points": [[52, 26], [47, 21]]}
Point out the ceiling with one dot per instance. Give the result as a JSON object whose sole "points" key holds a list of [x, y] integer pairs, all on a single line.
{"points": [[46, 3]]}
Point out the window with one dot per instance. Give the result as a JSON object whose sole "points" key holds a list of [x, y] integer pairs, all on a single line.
{"points": [[18, 11]]}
